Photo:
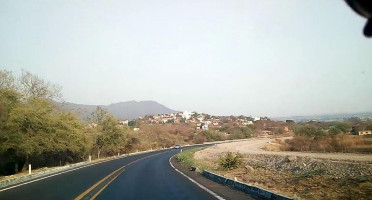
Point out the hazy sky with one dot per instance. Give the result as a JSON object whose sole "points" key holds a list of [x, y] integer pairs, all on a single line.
{"points": [[269, 57]]}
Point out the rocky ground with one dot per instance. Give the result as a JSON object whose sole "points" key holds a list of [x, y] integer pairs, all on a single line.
{"points": [[298, 176]]}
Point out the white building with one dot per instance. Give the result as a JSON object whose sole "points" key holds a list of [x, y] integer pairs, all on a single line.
{"points": [[186, 115]]}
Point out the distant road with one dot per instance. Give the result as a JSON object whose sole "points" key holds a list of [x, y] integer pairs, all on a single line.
{"points": [[145, 176]]}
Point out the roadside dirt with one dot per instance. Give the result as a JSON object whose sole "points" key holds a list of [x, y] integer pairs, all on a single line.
{"points": [[300, 175], [255, 145]]}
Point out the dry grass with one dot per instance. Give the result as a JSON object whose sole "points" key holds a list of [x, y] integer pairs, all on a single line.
{"points": [[339, 143], [311, 185]]}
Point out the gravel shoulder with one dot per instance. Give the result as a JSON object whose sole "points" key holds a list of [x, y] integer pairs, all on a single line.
{"points": [[255, 145]]}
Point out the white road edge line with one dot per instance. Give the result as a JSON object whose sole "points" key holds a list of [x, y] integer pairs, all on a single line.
{"points": [[58, 173], [192, 180], [41, 178], [123, 156]]}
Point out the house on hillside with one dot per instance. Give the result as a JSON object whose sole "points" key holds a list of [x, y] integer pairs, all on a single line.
{"points": [[124, 122], [246, 123], [202, 126], [186, 115], [365, 132], [267, 132]]}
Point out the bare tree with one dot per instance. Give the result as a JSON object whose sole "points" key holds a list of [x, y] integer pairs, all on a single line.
{"points": [[33, 86], [7, 80]]}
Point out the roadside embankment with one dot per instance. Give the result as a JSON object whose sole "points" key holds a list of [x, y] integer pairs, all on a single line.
{"points": [[295, 174], [186, 159]]}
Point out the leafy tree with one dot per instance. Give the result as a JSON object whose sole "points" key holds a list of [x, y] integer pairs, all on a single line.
{"points": [[170, 121], [98, 115], [111, 138], [132, 123], [9, 98], [310, 131], [183, 120], [339, 128], [240, 132], [32, 129]]}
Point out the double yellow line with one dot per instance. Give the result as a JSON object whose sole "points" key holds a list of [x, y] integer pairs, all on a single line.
{"points": [[87, 193]]}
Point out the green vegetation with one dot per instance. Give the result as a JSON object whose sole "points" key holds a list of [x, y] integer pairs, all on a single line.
{"points": [[187, 157], [310, 131], [231, 161], [330, 137], [32, 129]]}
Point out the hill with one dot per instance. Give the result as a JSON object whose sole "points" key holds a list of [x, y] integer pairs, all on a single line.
{"points": [[326, 118], [121, 110]]}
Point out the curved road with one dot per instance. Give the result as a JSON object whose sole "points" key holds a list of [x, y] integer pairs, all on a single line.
{"points": [[144, 176]]}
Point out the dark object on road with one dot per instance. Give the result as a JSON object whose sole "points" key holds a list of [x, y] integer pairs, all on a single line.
{"points": [[192, 168], [363, 8]]}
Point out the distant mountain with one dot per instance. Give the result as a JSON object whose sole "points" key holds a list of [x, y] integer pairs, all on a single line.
{"points": [[325, 118], [122, 110]]}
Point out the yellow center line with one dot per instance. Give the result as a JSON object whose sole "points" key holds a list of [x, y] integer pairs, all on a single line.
{"points": [[99, 191], [106, 177], [96, 184]]}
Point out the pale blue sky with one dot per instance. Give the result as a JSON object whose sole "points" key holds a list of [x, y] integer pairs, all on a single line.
{"points": [[269, 57]]}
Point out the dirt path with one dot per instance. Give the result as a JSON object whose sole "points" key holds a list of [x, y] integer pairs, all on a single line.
{"points": [[254, 146]]}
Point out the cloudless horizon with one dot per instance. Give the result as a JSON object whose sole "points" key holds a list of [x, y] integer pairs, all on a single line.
{"points": [[259, 58]]}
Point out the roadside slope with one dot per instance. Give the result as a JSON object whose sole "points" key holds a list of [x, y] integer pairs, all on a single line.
{"points": [[255, 145]]}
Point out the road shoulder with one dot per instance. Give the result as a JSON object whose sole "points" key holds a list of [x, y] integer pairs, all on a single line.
{"points": [[224, 191]]}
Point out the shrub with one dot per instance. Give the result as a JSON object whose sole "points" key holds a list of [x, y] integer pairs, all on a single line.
{"points": [[231, 161], [310, 131], [337, 143], [187, 157]]}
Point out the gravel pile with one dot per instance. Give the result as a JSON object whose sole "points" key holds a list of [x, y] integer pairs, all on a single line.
{"points": [[304, 165]]}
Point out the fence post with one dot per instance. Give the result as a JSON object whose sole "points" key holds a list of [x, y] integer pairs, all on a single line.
{"points": [[29, 168], [90, 158]]}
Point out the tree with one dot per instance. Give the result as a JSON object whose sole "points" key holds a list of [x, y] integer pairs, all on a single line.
{"points": [[132, 123], [110, 138], [32, 129], [7, 80], [339, 128], [183, 120], [33, 86], [310, 131], [240, 132], [9, 98], [170, 121], [98, 115]]}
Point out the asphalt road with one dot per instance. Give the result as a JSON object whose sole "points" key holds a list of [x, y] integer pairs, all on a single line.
{"points": [[145, 176]]}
